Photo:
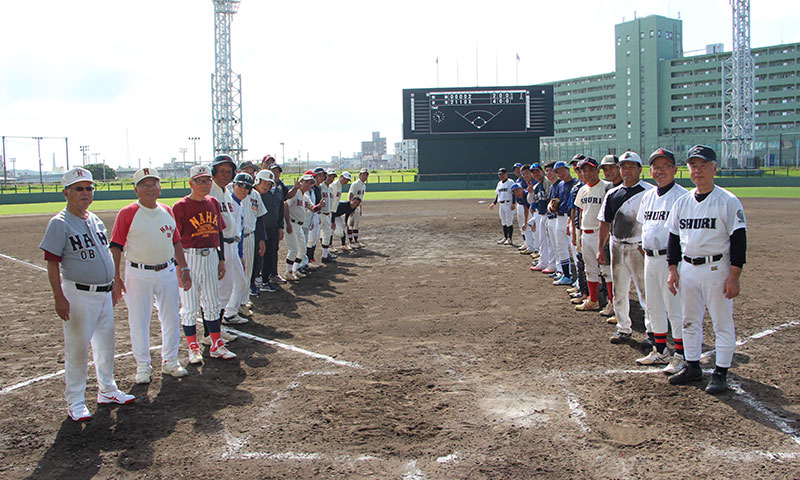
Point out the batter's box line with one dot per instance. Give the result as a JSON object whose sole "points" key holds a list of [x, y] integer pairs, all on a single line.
{"points": [[23, 262]]}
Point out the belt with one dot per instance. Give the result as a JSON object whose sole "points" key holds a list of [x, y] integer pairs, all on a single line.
{"points": [[200, 251], [157, 268], [325, 213], [630, 243], [297, 222], [589, 232], [653, 253], [702, 260], [231, 239], [94, 288], [503, 201], [248, 234], [562, 214]]}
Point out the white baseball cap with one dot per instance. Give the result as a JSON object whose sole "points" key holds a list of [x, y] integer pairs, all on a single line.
{"points": [[143, 173], [200, 171], [264, 176], [347, 175], [76, 175], [630, 157], [330, 171], [307, 177], [364, 170]]}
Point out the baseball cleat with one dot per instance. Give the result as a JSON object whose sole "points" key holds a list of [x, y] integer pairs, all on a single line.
{"points": [[115, 396], [572, 290], [327, 260], [549, 270], [254, 291], [576, 295], [234, 320], [689, 374], [718, 383], [269, 288], [346, 248], [576, 301], [587, 306], [298, 274], [227, 336], [608, 310], [173, 367], [143, 371], [277, 279], [522, 248], [244, 311], [290, 277], [222, 352], [654, 358], [79, 413], [611, 320], [537, 268], [500, 242], [620, 337], [563, 281], [675, 365], [196, 356]]}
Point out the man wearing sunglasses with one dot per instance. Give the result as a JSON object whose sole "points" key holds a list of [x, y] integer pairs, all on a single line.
{"points": [[145, 230], [81, 274]]}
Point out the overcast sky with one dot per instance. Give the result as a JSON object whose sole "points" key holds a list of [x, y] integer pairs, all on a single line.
{"points": [[319, 76]]}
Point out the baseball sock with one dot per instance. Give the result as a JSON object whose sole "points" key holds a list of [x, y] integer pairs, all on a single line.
{"points": [[721, 370], [565, 268], [191, 335], [289, 264], [593, 286], [214, 329], [310, 253], [325, 252], [693, 363], [610, 287], [355, 235], [661, 342], [297, 263], [344, 241], [350, 235], [678, 346]]}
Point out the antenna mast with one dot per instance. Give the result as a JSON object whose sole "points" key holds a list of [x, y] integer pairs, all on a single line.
{"points": [[738, 93], [226, 87]]}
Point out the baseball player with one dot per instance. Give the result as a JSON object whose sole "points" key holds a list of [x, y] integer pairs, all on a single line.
{"points": [[618, 218], [315, 229], [504, 198], [541, 192], [522, 209], [336, 195], [199, 222], [610, 167], [344, 209], [357, 189], [531, 243], [272, 223], [279, 191], [253, 211], [561, 209], [297, 202], [553, 269], [708, 237], [517, 168], [145, 230], [266, 162], [234, 284], [326, 221], [579, 287], [589, 199], [653, 215], [81, 274]]}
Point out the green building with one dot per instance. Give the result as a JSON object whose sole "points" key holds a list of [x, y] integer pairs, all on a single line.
{"points": [[657, 97]]}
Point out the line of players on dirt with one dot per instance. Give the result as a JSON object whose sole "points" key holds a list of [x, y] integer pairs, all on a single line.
{"points": [[683, 250], [200, 261]]}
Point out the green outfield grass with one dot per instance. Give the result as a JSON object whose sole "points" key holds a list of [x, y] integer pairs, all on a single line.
{"points": [[53, 207]]}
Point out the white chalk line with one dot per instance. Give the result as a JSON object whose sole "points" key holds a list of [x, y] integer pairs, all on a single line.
{"points": [[37, 267], [295, 349], [765, 411], [576, 411], [755, 336], [31, 381]]}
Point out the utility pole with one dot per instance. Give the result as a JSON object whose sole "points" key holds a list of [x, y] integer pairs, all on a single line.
{"points": [[39, 149], [194, 143], [183, 152], [283, 153], [84, 153]]}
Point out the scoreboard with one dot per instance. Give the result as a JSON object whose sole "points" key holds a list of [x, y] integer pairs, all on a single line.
{"points": [[478, 112]]}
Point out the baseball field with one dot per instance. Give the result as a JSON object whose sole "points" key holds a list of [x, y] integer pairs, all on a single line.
{"points": [[432, 353]]}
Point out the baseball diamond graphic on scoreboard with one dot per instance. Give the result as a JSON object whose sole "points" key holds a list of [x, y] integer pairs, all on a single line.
{"points": [[526, 111]]}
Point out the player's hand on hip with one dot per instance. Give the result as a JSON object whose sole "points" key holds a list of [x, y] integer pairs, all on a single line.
{"points": [[731, 288], [62, 308], [221, 270], [262, 247], [673, 280]]}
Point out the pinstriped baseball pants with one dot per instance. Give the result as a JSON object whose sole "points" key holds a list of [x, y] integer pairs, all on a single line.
{"points": [[205, 288]]}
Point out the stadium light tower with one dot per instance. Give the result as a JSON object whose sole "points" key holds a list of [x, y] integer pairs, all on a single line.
{"points": [[738, 93], [226, 87]]}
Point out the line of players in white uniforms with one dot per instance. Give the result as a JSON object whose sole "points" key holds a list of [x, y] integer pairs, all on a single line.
{"points": [[197, 262], [682, 250]]}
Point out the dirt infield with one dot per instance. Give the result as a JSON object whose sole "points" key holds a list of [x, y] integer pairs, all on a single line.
{"points": [[431, 354]]}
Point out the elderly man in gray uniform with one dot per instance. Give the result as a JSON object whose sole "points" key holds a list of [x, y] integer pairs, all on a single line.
{"points": [[81, 274]]}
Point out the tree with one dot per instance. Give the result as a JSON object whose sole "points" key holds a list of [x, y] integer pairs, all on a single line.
{"points": [[97, 171]]}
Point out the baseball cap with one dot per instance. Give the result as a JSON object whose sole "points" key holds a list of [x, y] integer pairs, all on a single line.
{"points": [[199, 171], [275, 166], [347, 175], [517, 165], [662, 152], [264, 176], [502, 170], [588, 161], [267, 157], [559, 165], [243, 177], [307, 177], [630, 157], [76, 175], [609, 160], [516, 186], [364, 170], [702, 152], [330, 171], [247, 164], [577, 158], [535, 166], [319, 170], [143, 173]]}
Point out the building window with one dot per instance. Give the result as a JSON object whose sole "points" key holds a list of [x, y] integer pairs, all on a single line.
{"points": [[627, 38], [619, 40], [641, 35], [629, 81], [629, 70], [652, 33], [628, 53], [659, 34]]}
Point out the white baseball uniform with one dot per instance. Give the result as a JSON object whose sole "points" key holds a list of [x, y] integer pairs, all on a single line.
{"points": [[505, 201], [233, 285]]}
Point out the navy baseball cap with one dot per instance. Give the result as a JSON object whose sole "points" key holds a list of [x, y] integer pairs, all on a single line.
{"points": [[517, 165], [702, 152], [502, 170], [535, 166], [662, 153], [588, 161], [577, 158], [319, 170], [560, 164]]}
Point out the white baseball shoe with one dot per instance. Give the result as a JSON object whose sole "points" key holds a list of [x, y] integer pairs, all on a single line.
{"points": [[608, 310], [298, 274], [677, 364], [277, 279], [115, 396], [143, 371], [222, 352], [654, 358], [173, 367], [227, 336], [234, 320], [79, 413], [196, 356]]}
